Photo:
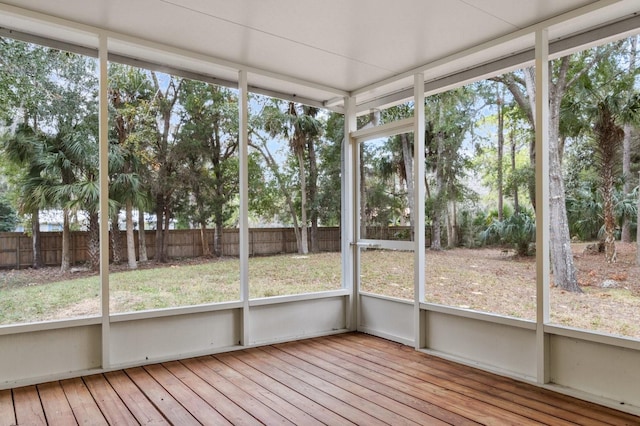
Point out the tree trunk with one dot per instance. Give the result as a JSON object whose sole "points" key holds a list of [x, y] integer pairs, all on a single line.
{"points": [[435, 232], [160, 255], [142, 238], [500, 156], [35, 240], [131, 243], [452, 224], [165, 233], [206, 252], [436, 243], [407, 158], [218, 237], [363, 194], [303, 248], [564, 271], [313, 192], [609, 137], [638, 225], [93, 248], [116, 240], [65, 264], [271, 162], [610, 252], [516, 201], [625, 234]]}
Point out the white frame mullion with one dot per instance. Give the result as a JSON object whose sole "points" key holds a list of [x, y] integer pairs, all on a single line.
{"points": [[349, 216], [542, 203], [418, 209], [385, 130], [243, 152], [103, 165]]}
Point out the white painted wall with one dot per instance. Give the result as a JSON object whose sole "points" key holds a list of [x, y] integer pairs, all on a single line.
{"points": [[179, 336], [387, 317], [39, 356], [509, 349], [597, 369], [277, 322]]}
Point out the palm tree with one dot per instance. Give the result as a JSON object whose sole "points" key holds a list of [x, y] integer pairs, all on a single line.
{"points": [[299, 125], [519, 229], [23, 149], [130, 92], [610, 102]]}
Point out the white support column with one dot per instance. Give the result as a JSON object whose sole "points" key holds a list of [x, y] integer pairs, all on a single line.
{"points": [[243, 152], [418, 207], [103, 141], [349, 216], [542, 202]]}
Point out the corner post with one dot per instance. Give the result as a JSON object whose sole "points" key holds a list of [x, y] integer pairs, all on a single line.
{"points": [[542, 203], [349, 217], [103, 178], [243, 152], [418, 209]]}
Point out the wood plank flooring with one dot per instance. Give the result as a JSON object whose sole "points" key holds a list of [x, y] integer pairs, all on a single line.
{"points": [[344, 379]]}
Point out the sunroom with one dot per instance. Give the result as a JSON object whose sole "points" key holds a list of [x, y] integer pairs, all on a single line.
{"points": [[358, 59]]}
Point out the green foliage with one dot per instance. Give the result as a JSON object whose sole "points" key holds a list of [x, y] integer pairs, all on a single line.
{"points": [[517, 230], [472, 221], [585, 210], [8, 216], [329, 180]]}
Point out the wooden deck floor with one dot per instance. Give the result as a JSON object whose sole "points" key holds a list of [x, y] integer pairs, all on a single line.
{"points": [[352, 378]]}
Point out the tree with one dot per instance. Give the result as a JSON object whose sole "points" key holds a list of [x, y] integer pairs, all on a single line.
{"points": [[449, 117], [130, 94], [499, 167], [23, 148], [26, 89], [329, 179], [8, 216], [164, 166], [401, 148], [299, 126], [208, 144], [625, 233], [564, 73], [607, 97], [73, 136], [638, 223], [519, 229]]}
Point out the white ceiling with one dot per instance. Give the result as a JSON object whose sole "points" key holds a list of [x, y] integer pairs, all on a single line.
{"points": [[326, 48]]}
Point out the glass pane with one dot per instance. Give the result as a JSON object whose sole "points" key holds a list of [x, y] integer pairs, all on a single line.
{"points": [[593, 253], [173, 190], [294, 202], [49, 163], [386, 188], [387, 272], [480, 221]]}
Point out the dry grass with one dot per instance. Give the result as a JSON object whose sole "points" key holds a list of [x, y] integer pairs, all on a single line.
{"points": [[485, 280]]}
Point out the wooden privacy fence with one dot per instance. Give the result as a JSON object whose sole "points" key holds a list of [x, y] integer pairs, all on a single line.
{"points": [[16, 248]]}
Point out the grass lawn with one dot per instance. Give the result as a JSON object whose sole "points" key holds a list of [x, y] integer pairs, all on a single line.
{"points": [[479, 279]]}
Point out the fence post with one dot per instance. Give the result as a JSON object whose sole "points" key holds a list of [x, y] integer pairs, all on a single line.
{"points": [[18, 251]]}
